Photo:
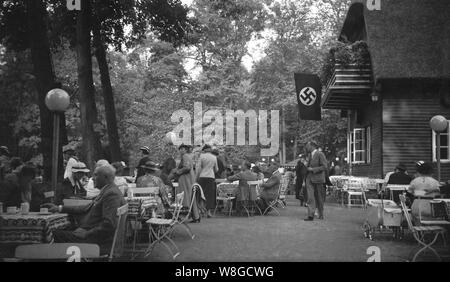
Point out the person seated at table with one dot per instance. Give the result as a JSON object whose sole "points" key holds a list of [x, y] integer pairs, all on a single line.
{"points": [[119, 180], [269, 190], [242, 192], [399, 177], [100, 216], [151, 179], [73, 186], [91, 191], [423, 189], [258, 172], [17, 188]]}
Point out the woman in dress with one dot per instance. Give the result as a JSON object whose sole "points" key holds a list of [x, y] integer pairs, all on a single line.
{"points": [[151, 179], [186, 175], [423, 189], [205, 174]]}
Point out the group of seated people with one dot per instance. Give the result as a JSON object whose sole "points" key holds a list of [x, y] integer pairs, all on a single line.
{"points": [[268, 190], [422, 187]]}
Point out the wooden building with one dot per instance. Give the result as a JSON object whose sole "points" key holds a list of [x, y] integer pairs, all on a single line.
{"points": [[390, 102]]}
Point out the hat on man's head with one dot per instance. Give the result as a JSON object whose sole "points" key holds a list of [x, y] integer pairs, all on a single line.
{"points": [[401, 166], [206, 147], [187, 147], [80, 167], [145, 149], [149, 165]]}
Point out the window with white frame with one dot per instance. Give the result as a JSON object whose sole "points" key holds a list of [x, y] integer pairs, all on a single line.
{"points": [[359, 145], [445, 145]]}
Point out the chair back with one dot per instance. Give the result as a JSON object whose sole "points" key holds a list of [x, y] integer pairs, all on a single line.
{"points": [[143, 192], [253, 187], [119, 234], [223, 190], [283, 187], [58, 251], [406, 212], [439, 209], [178, 206]]}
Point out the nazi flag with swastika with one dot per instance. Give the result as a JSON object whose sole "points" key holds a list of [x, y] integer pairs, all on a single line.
{"points": [[309, 94]]}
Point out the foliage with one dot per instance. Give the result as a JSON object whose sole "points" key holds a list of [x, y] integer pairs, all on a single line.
{"points": [[345, 54]]}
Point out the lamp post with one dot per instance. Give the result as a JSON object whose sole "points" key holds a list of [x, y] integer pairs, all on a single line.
{"points": [[57, 101], [438, 124]]}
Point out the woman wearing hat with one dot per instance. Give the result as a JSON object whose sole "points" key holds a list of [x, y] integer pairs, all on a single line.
{"points": [[151, 179], [72, 185], [423, 189], [186, 178]]}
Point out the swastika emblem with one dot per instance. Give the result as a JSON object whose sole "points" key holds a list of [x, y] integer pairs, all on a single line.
{"points": [[307, 96]]}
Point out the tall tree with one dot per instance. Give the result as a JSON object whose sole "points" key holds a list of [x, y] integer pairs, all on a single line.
{"points": [[88, 109]]}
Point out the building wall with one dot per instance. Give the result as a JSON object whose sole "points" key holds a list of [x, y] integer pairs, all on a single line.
{"points": [[370, 115], [407, 136]]}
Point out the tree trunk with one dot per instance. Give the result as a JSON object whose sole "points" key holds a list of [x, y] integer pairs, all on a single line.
{"points": [[88, 109], [108, 96], [45, 81]]}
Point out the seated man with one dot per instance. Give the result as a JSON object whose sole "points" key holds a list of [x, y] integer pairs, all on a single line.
{"points": [[399, 177], [243, 192], [100, 219], [269, 190]]}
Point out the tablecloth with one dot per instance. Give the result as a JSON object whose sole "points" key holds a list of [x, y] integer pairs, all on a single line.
{"points": [[31, 228]]}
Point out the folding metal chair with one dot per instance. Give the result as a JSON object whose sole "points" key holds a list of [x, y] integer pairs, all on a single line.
{"points": [[223, 197], [419, 232], [118, 243], [161, 229], [272, 205], [182, 221], [250, 206]]}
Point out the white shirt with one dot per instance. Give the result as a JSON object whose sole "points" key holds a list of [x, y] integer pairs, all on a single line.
{"points": [[313, 152], [92, 192]]}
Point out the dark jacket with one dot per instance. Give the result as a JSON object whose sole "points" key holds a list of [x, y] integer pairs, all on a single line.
{"points": [[400, 178], [100, 216], [270, 188], [319, 165], [67, 190], [300, 173], [11, 192]]}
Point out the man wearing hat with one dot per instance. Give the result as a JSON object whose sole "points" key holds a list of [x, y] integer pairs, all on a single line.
{"points": [[399, 177], [72, 185]]}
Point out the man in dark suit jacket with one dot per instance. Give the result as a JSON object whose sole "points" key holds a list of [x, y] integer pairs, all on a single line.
{"points": [[269, 190], [315, 179], [300, 172], [399, 177], [100, 216]]}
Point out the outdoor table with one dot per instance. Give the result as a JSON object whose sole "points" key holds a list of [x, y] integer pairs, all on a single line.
{"points": [[396, 187], [31, 228]]}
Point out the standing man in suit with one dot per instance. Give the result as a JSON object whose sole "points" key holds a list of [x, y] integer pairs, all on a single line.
{"points": [[315, 179]]}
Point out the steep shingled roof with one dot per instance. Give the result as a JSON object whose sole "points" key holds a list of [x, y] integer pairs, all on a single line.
{"points": [[406, 38]]}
